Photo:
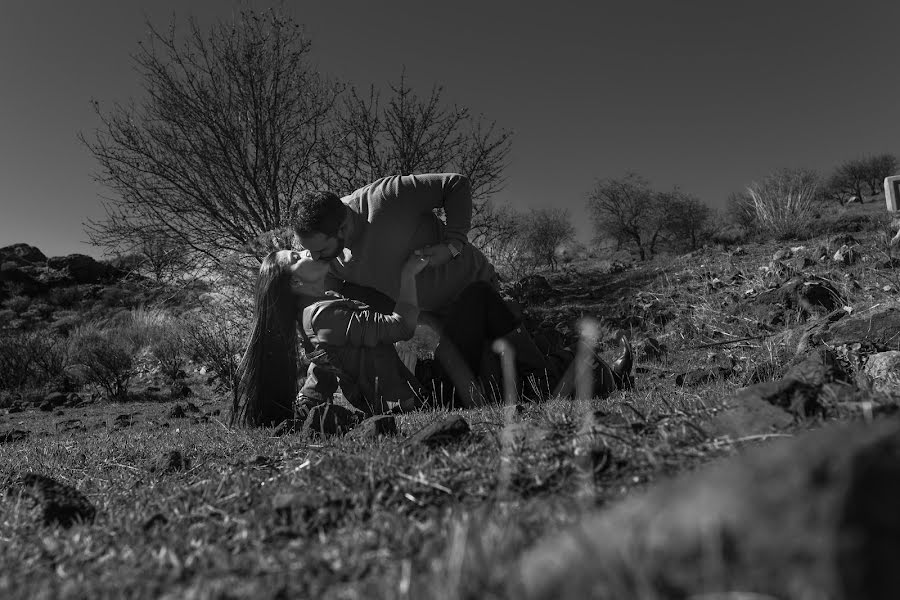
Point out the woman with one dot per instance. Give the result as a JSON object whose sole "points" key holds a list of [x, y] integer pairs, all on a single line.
{"points": [[343, 335]]}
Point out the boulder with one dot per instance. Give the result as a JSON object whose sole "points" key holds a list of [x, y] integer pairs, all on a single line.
{"points": [[452, 428], [884, 369], [877, 329], [813, 517], [52, 502], [81, 268], [22, 254], [374, 427]]}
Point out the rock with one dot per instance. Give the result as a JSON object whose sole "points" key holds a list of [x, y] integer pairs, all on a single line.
{"points": [[801, 263], [651, 349], [846, 255], [13, 435], [155, 520], [170, 462], [814, 517], [449, 429], [782, 254], [22, 254], [69, 425], [702, 376], [54, 503], [748, 416], [81, 268], [876, 330], [124, 421], [56, 398], [884, 369], [374, 427]]}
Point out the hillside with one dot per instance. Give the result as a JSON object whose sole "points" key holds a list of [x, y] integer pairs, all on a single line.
{"points": [[737, 347]]}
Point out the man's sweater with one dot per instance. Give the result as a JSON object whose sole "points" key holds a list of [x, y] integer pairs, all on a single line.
{"points": [[394, 216]]}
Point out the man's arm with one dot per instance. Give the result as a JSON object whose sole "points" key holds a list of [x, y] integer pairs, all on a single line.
{"points": [[449, 191]]}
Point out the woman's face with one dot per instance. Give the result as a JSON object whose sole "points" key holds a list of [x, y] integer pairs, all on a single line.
{"points": [[307, 276]]}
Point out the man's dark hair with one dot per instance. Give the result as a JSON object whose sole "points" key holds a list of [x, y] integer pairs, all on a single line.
{"points": [[318, 212]]}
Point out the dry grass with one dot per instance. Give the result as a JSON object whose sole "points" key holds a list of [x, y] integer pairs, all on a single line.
{"points": [[255, 516]]}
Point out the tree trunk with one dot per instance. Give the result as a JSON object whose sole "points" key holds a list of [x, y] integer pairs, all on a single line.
{"points": [[812, 517]]}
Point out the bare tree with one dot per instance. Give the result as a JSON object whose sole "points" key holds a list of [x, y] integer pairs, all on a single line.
{"points": [[412, 134], [627, 209], [237, 123], [543, 230], [847, 181], [877, 168], [686, 218], [226, 138]]}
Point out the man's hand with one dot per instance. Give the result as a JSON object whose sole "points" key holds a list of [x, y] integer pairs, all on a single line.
{"points": [[438, 254], [414, 265]]}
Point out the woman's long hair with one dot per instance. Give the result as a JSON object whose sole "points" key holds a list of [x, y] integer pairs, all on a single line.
{"points": [[268, 369]]}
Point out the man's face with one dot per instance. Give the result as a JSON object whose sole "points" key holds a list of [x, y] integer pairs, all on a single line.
{"points": [[322, 247]]}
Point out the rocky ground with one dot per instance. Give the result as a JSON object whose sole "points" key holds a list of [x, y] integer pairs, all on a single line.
{"points": [[741, 352]]}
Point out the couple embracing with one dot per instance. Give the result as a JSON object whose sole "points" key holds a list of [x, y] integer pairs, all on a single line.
{"points": [[374, 265]]}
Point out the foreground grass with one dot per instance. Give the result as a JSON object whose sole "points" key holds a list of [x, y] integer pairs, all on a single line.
{"points": [[248, 515]]}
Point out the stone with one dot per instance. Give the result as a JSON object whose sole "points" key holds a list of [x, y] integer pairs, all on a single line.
{"points": [[123, 421], [782, 254], [746, 416], [52, 502], [846, 255], [374, 427], [702, 376], [884, 370], [13, 435], [651, 349], [451, 428], [22, 254], [56, 398], [877, 330], [814, 516], [81, 268], [170, 462], [69, 425]]}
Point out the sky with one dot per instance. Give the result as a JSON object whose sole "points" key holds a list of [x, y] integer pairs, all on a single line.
{"points": [[707, 95]]}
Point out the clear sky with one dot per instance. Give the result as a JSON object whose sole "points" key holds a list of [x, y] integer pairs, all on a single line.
{"points": [[705, 94]]}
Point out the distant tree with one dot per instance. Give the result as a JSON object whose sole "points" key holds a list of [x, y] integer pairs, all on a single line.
{"points": [[847, 180], [627, 209], [543, 230], [877, 168], [686, 218], [237, 123]]}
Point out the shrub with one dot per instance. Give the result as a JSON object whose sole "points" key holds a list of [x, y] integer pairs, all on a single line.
{"points": [[782, 204], [168, 346], [215, 338], [30, 358], [105, 357]]}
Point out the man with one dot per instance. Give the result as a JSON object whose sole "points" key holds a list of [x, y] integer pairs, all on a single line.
{"points": [[369, 234]]}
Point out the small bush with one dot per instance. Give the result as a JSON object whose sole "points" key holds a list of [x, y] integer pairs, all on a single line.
{"points": [[31, 358], [105, 357], [18, 304], [169, 346], [215, 338], [782, 204]]}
